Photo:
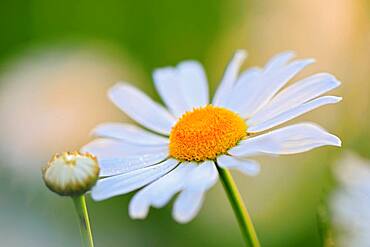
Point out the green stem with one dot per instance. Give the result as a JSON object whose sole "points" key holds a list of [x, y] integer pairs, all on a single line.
{"points": [[241, 213], [83, 216]]}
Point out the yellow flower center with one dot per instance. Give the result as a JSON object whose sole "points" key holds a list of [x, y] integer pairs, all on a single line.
{"points": [[205, 133]]}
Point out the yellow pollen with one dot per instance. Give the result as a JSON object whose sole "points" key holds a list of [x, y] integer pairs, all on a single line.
{"points": [[205, 133]]}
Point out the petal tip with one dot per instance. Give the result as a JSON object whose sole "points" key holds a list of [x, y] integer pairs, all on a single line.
{"points": [[308, 61], [336, 82], [94, 132], [289, 54], [240, 54], [255, 172], [337, 141], [181, 219], [159, 73], [137, 215], [189, 62], [116, 87]]}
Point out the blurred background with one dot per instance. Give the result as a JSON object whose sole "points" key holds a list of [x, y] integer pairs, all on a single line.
{"points": [[58, 58]]}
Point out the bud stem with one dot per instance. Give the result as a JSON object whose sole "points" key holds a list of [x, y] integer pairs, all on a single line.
{"points": [[83, 216]]}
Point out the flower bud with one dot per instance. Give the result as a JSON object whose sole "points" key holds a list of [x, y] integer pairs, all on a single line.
{"points": [[71, 173]]}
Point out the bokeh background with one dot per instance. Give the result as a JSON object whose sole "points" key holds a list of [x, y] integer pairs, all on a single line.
{"points": [[57, 59]]}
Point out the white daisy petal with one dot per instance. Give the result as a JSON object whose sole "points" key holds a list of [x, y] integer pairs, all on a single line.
{"points": [[279, 60], [159, 192], [168, 84], [187, 205], [198, 181], [249, 79], [182, 88], [194, 83], [112, 148], [121, 184], [245, 83], [229, 78], [141, 108], [203, 177], [291, 113], [114, 166], [288, 140], [246, 77], [248, 167], [129, 133], [263, 88], [169, 186], [139, 206], [296, 94]]}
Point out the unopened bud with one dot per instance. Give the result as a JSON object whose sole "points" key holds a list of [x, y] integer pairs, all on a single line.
{"points": [[71, 173]]}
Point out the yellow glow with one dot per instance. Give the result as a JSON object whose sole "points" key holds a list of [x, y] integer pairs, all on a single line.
{"points": [[205, 133]]}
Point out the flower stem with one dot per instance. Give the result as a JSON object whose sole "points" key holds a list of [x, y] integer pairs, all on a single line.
{"points": [[241, 213], [83, 216]]}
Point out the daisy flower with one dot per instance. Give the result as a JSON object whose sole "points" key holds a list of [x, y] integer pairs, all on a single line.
{"points": [[184, 147]]}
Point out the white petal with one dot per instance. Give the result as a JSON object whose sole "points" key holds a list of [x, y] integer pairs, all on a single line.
{"points": [[169, 186], [159, 192], [279, 60], [194, 83], [113, 148], [127, 182], [182, 88], [139, 206], [168, 84], [114, 166], [245, 83], [203, 177], [141, 108], [229, 78], [294, 95], [129, 133], [249, 79], [263, 88], [292, 113], [248, 167], [198, 181], [247, 76], [187, 205], [288, 140]]}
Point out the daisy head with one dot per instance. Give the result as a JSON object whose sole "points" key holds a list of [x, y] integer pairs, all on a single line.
{"points": [[177, 148]]}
